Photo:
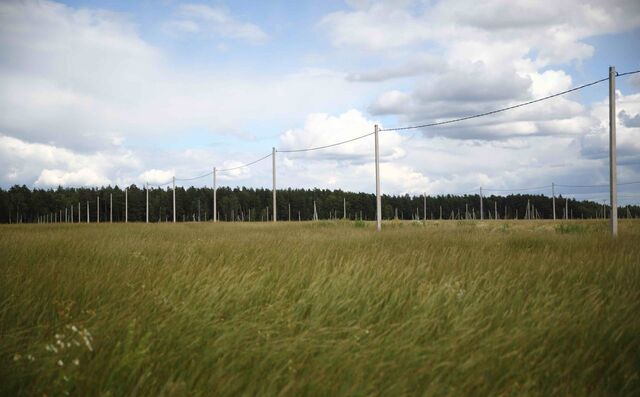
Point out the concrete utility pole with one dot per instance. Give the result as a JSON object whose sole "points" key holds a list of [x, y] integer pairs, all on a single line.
{"points": [[440, 212], [174, 199], [612, 152], [87, 211], [98, 210], [289, 205], [273, 161], [424, 206], [71, 213], [553, 201], [215, 196], [378, 198], [110, 207], [566, 208], [344, 208], [481, 207], [79, 214], [147, 189], [126, 206], [495, 210]]}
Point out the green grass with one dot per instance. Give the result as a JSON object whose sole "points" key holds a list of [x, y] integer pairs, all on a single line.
{"points": [[329, 308]]}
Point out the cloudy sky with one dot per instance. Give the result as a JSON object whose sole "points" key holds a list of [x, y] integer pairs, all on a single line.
{"points": [[119, 92]]}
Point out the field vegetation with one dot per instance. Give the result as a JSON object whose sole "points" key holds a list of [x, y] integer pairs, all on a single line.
{"points": [[320, 308]]}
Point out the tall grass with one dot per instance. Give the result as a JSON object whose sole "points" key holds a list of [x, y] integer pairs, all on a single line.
{"points": [[326, 308]]}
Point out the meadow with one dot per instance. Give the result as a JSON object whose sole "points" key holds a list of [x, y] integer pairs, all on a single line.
{"points": [[320, 308]]}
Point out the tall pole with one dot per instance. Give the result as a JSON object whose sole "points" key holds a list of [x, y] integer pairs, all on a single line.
{"points": [[612, 152], [147, 189], [79, 218], [553, 201], [71, 213], [495, 210], [481, 208], [566, 208], [289, 212], [88, 211], [273, 161], [174, 199], [98, 210], [126, 205], [424, 205], [215, 193], [110, 207], [378, 198], [344, 208]]}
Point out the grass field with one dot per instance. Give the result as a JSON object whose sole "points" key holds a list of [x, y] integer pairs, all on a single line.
{"points": [[446, 308]]}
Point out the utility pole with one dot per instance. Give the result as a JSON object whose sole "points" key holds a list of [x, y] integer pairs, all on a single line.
{"points": [[378, 198], [87, 211], [126, 205], [215, 194], [289, 204], [495, 210], [79, 218], [174, 199], [273, 160], [424, 205], [147, 189], [344, 208], [566, 208], [481, 207], [612, 152], [98, 210], [110, 207], [553, 200]]}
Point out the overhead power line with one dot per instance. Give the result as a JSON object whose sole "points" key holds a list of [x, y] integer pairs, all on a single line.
{"points": [[607, 185], [244, 165], [195, 177], [497, 110], [518, 190], [627, 73], [326, 146]]}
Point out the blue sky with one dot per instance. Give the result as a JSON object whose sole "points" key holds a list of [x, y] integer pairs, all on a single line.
{"points": [[119, 92]]}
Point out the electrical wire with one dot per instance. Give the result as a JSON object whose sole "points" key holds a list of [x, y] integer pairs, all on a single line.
{"points": [[497, 110], [326, 146], [244, 165], [627, 73], [518, 190], [584, 186], [195, 177]]}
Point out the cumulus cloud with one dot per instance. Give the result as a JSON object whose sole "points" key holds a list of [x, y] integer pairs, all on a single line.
{"points": [[321, 129], [49, 165]]}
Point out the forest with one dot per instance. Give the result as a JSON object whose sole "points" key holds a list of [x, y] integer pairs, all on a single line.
{"points": [[19, 204]]}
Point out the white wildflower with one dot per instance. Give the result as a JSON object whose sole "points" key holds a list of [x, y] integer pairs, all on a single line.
{"points": [[60, 363], [76, 362]]}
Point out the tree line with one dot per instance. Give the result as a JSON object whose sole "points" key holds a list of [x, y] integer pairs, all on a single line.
{"points": [[21, 204]]}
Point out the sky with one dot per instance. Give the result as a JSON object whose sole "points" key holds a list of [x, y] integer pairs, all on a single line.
{"points": [[97, 93]]}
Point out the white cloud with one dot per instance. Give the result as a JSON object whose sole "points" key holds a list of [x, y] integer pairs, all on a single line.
{"points": [[218, 21], [49, 165], [84, 79], [157, 177]]}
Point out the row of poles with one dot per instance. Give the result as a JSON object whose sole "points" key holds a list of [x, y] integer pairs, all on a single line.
{"points": [[612, 175], [530, 213]]}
